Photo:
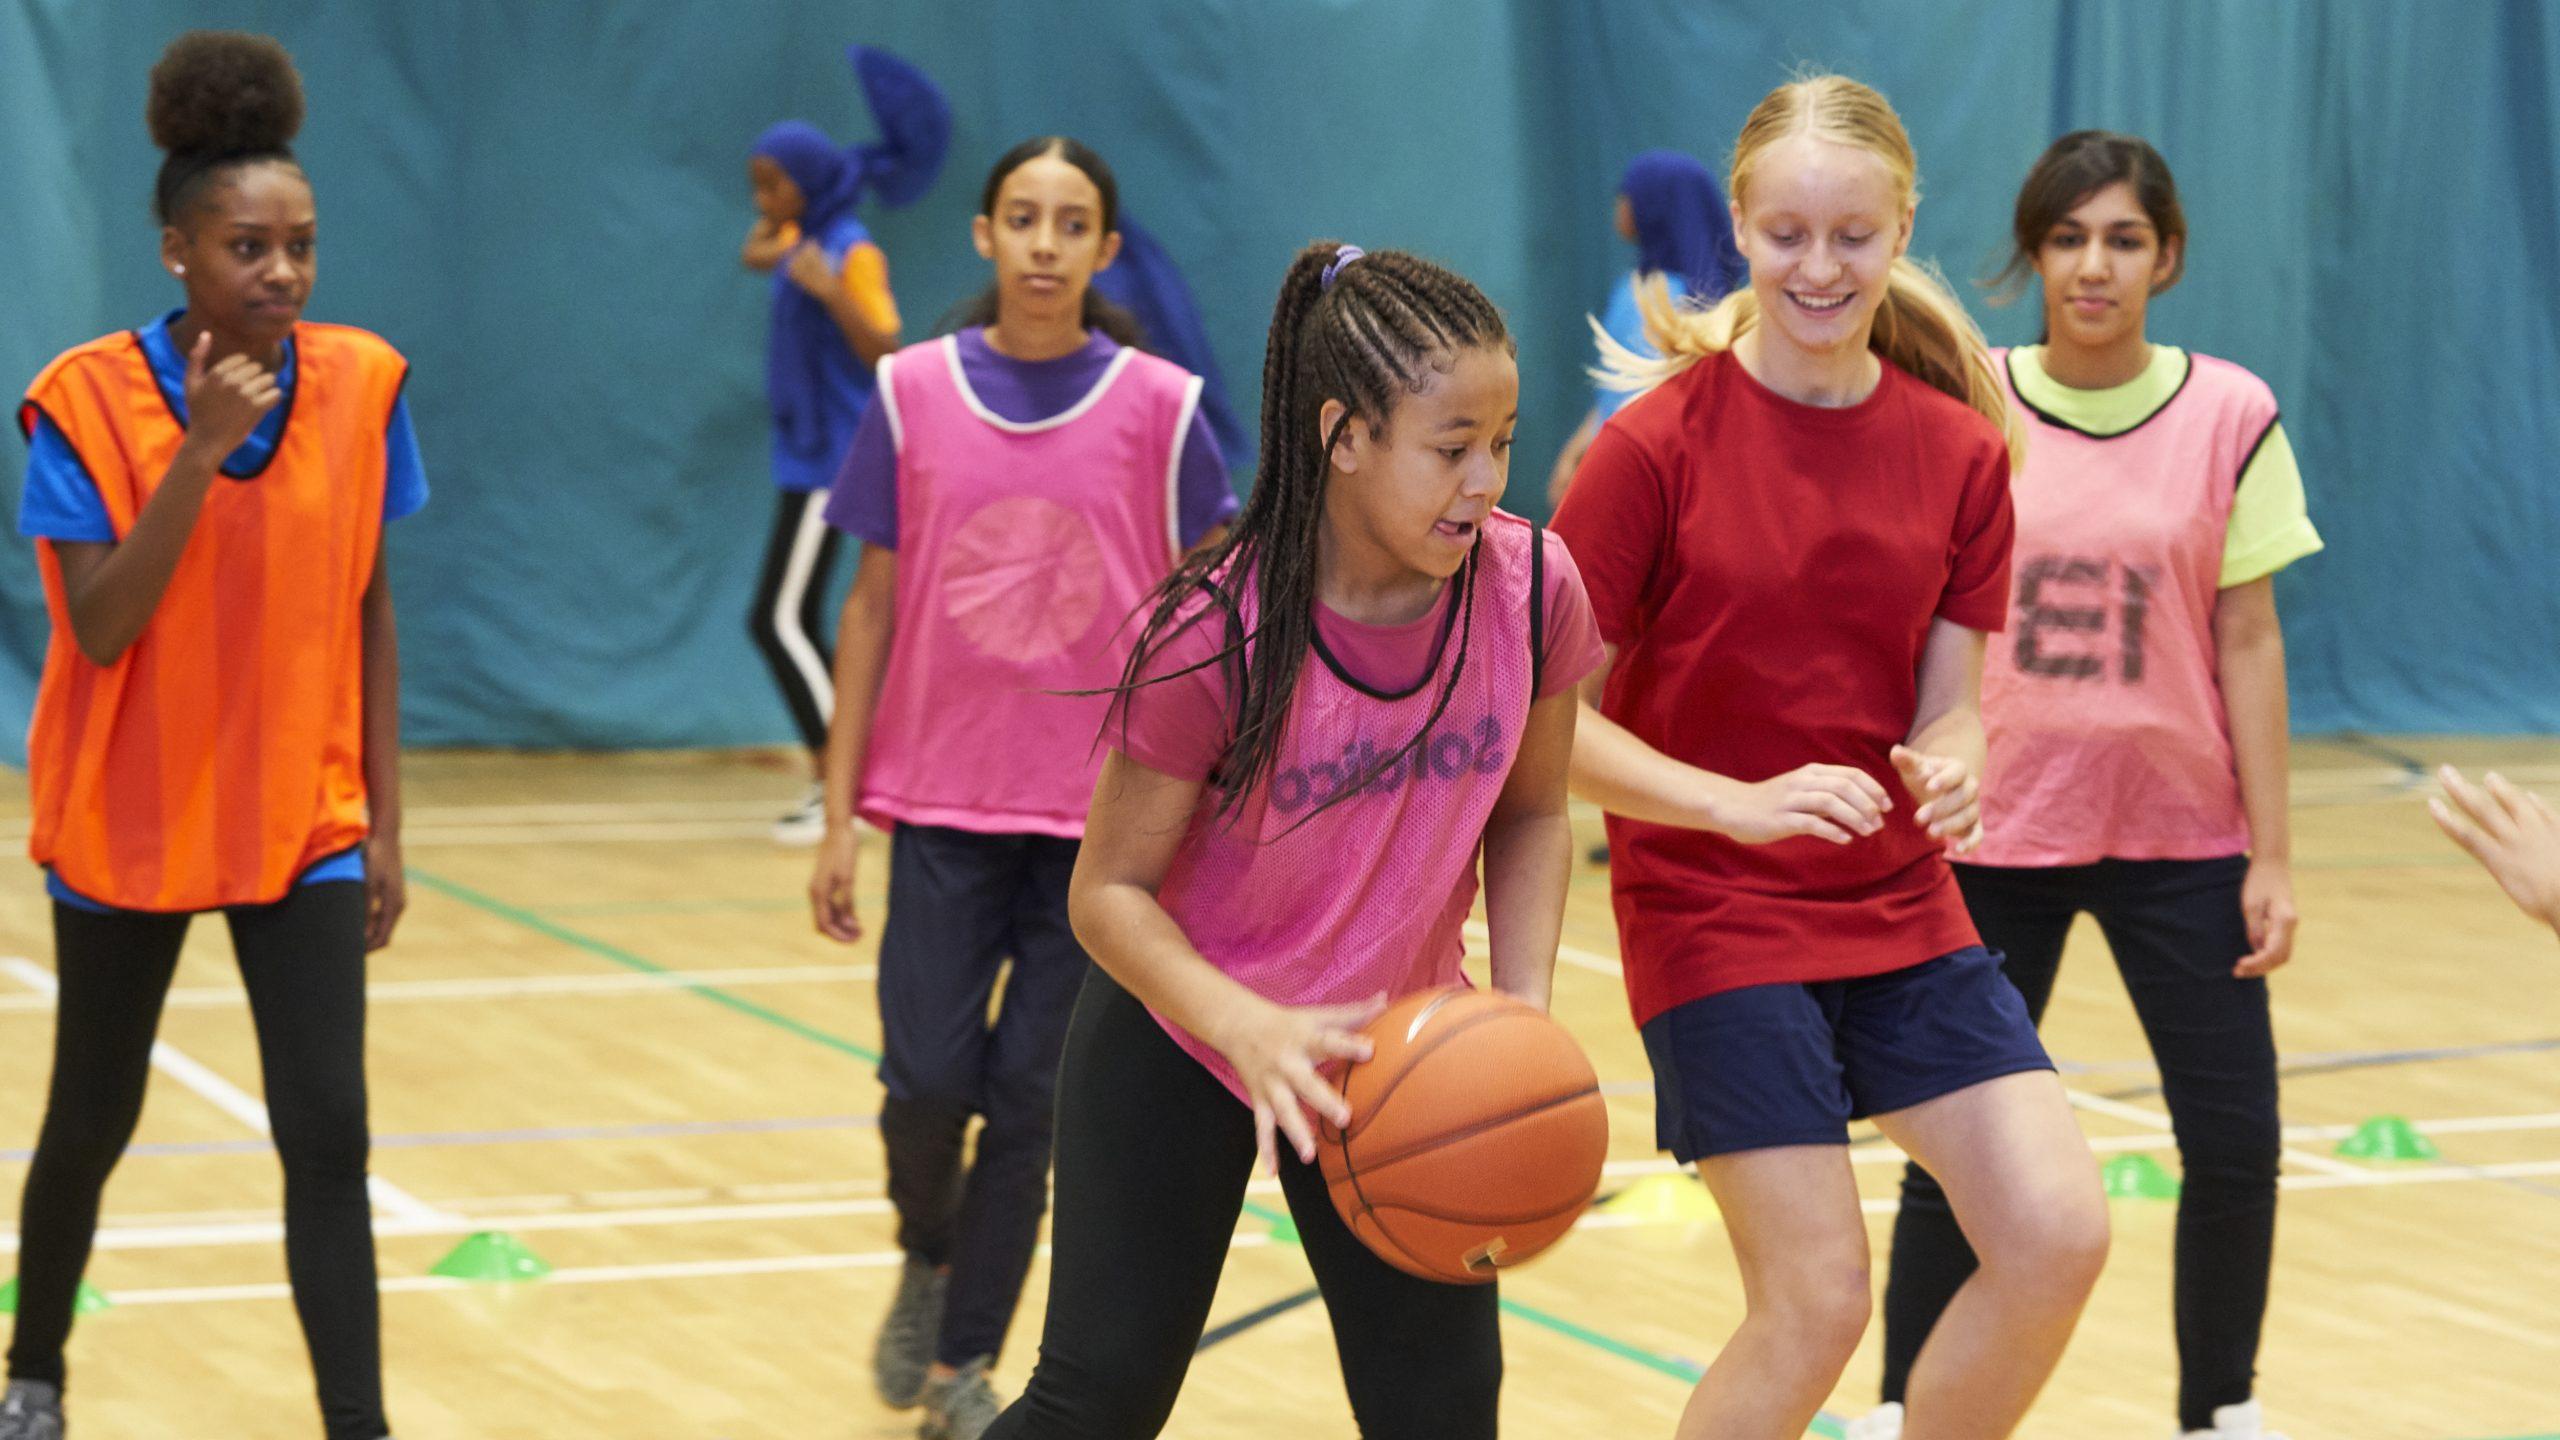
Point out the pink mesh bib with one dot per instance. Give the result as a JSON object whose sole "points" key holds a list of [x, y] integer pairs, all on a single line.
{"points": [[1022, 547], [2102, 703], [1312, 907]]}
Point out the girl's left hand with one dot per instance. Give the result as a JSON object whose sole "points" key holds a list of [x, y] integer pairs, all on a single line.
{"points": [[2266, 902], [1950, 798], [386, 890], [809, 269]]}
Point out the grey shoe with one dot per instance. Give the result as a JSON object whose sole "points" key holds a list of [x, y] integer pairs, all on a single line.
{"points": [[905, 1346], [962, 1407], [31, 1410]]}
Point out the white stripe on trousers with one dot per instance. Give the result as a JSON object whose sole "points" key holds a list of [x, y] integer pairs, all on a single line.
{"points": [[796, 574]]}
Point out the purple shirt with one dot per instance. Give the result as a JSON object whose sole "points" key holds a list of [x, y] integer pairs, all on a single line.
{"points": [[865, 500]]}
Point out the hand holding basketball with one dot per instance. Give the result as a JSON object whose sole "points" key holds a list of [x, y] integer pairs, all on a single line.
{"points": [[1277, 1051], [1478, 1138]]}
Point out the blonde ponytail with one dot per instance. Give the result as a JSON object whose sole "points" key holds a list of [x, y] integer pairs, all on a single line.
{"points": [[1680, 332], [1925, 331], [1921, 327]]}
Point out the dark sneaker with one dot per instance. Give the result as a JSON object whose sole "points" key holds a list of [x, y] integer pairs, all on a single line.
{"points": [[32, 1410], [962, 1407], [905, 1347]]}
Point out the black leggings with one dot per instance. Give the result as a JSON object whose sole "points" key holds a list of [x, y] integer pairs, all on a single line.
{"points": [[2175, 928], [1153, 1158], [302, 960], [786, 618]]}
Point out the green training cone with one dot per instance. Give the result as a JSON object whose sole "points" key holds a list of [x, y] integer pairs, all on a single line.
{"points": [[2387, 1137], [1661, 1200], [492, 1257], [2139, 1177], [88, 1300]]}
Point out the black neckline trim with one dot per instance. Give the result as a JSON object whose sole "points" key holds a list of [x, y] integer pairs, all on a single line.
{"points": [[2254, 447], [283, 427], [2009, 362], [1461, 591]]}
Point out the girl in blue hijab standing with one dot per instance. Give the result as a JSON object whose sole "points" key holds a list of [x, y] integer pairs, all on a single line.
{"points": [[1673, 211], [833, 318]]}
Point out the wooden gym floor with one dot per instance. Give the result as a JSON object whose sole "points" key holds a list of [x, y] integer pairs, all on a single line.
{"points": [[608, 1029]]}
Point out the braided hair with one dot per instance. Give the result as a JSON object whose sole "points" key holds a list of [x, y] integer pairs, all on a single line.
{"points": [[219, 99], [1368, 333]]}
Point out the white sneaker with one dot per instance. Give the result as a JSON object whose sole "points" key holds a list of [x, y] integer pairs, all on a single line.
{"points": [[2244, 1421], [806, 822], [1882, 1423]]}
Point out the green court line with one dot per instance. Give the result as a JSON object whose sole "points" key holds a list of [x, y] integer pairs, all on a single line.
{"points": [[624, 958], [690, 907], [1824, 1425]]}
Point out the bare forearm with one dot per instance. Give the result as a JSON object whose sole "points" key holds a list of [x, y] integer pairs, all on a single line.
{"points": [[2259, 709], [381, 706], [113, 600], [1127, 932], [1620, 773], [868, 342], [1528, 864], [1955, 733], [862, 657]]}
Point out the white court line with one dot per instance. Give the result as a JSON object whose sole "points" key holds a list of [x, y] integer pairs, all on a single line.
{"points": [[2155, 1120], [415, 835], [1568, 954], [267, 1231], [590, 1275], [226, 1097], [495, 987]]}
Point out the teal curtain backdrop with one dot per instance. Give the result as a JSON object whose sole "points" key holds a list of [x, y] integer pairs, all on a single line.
{"points": [[541, 204]]}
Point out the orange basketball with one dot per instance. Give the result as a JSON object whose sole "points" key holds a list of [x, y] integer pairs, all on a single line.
{"points": [[1476, 1136]]}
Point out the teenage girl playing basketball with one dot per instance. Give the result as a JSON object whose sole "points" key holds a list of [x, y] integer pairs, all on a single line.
{"points": [[1377, 664], [1795, 542]]}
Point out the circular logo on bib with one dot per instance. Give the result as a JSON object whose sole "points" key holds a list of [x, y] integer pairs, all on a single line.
{"points": [[1024, 579]]}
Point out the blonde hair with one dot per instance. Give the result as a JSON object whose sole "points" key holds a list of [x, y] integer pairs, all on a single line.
{"points": [[1920, 326]]}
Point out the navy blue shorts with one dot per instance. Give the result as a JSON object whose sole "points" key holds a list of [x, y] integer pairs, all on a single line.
{"points": [[1771, 1065]]}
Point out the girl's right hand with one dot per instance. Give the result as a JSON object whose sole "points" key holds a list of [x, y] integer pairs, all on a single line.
{"points": [[831, 886], [1277, 1050], [226, 402], [767, 242], [1837, 803]]}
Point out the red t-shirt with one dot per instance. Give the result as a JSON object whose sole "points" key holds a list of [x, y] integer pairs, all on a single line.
{"points": [[1768, 572]]}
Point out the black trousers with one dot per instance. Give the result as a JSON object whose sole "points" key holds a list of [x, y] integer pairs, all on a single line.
{"points": [[1153, 1158], [960, 905], [785, 618], [303, 962], [2175, 928]]}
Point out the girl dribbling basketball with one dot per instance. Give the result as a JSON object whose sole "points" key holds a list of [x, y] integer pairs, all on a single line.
{"points": [[1327, 719]]}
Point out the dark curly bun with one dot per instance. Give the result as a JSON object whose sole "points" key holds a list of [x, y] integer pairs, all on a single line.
{"points": [[219, 97]]}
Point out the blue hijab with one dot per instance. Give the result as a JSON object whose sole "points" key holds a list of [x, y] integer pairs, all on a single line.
{"points": [[915, 130], [1147, 283], [1683, 225]]}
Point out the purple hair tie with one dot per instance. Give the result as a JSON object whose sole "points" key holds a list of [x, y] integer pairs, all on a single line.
{"points": [[1341, 257]]}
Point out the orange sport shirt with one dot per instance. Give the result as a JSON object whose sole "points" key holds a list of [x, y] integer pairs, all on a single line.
{"points": [[222, 753]]}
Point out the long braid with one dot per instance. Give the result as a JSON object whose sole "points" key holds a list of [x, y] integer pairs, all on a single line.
{"points": [[1384, 326]]}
